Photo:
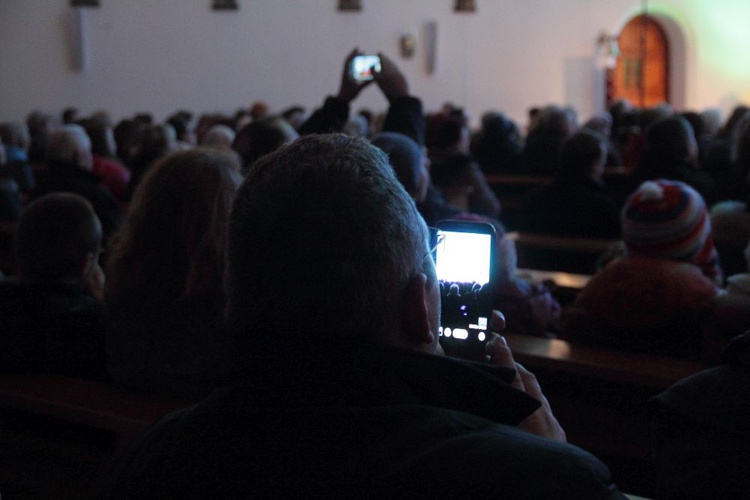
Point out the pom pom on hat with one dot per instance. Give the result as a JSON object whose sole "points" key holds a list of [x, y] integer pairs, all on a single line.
{"points": [[668, 220]]}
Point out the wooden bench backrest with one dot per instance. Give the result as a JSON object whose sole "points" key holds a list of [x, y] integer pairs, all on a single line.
{"points": [[560, 253], [85, 402], [597, 363]]}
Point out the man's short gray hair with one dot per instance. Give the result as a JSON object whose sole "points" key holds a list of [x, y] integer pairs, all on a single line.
{"points": [[323, 241]]}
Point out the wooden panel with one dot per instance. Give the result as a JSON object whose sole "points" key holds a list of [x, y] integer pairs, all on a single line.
{"points": [[642, 71], [602, 364]]}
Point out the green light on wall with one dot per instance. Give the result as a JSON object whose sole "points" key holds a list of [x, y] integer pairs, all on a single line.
{"points": [[722, 36]]}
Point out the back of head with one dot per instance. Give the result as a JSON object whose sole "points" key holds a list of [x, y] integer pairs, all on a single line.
{"points": [[601, 123], [496, 127], [737, 114], [405, 156], [14, 134], [69, 115], [172, 243], [180, 122], [220, 137], [668, 220], [155, 142], [261, 137], [695, 121], [38, 123], [323, 241], [127, 136], [69, 147], [578, 154], [740, 145], [670, 141], [445, 131], [555, 121], [101, 136], [55, 235]]}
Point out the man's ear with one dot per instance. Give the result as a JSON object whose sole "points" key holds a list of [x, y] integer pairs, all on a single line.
{"points": [[416, 329]]}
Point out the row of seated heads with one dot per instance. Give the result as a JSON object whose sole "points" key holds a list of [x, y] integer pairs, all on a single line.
{"points": [[179, 213], [668, 138]]}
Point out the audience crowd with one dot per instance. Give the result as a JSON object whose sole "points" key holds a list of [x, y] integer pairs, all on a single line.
{"points": [[128, 255]]}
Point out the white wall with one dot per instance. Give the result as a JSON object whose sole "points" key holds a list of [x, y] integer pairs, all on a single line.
{"points": [[163, 55]]}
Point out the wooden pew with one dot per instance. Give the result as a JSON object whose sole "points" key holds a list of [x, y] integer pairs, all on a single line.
{"points": [[57, 434], [600, 398], [559, 253], [85, 402], [510, 190], [564, 286], [657, 372]]}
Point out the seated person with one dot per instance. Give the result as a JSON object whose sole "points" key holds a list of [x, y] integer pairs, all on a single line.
{"points": [[602, 123], [261, 137], [164, 277], [69, 162], [404, 117], [656, 297], [16, 139], [454, 171], [51, 317], [154, 143], [672, 153], [11, 203], [576, 203], [730, 223], [114, 176], [550, 129], [700, 435], [340, 389], [498, 147]]}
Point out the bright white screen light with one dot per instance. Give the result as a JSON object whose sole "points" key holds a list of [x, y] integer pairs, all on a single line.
{"points": [[464, 257]]}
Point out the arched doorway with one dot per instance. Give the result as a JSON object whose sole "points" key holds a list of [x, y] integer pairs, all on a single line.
{"points": [[641, 74]]}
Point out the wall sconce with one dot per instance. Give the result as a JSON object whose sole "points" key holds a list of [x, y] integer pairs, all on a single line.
{"points": [[607, 50], [408, 44]]}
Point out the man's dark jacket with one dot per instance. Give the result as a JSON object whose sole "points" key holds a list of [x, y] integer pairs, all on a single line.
{"points": [[701, 437], [352, 421]]}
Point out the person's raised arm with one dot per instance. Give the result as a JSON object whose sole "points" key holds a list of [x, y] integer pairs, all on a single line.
{"points": [[335, 111], [405, 114]]}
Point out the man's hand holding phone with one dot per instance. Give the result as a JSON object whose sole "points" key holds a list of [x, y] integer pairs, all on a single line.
{"points": [[542, 422]]}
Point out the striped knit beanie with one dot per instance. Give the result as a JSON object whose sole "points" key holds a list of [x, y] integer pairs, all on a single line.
{"points": [[668, 220]]}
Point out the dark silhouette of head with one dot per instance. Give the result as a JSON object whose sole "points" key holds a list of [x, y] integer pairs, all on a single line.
{"points": [[58, 239], [322, 230]]}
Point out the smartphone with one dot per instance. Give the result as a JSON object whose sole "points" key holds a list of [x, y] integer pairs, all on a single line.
{"points": [[365, 67], [465, 255]]}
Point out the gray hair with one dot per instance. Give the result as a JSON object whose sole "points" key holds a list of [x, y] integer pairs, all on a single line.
{"points": [[219, 137], [323, 241], [71, 145]]}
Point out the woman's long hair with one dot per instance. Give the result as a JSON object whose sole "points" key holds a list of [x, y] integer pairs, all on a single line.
{"points": [[172, 246]]}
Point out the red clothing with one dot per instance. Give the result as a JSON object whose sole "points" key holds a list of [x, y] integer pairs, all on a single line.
{"points": [[643, 304], [114, 177]]}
